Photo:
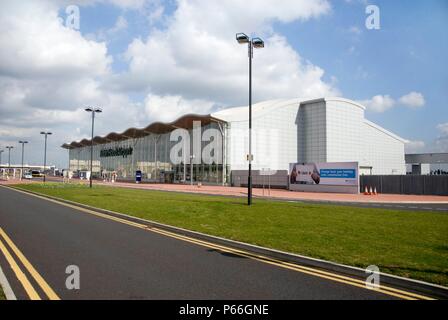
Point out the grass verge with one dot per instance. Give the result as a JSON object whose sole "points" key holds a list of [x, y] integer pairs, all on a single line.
{"points": [[2, 294], [405, 243]]}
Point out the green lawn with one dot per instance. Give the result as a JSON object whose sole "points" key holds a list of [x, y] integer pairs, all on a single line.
{"points": [[405, 243]]}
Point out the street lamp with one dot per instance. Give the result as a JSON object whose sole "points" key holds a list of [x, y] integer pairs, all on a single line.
{"points": [[23, 151], [257, 43], [93, 111], [1, 170], [45, 151], [9, 155], [9, 158]]}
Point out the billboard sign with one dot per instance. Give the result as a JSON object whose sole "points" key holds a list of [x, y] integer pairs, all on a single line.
{"points": [[326, 173]]}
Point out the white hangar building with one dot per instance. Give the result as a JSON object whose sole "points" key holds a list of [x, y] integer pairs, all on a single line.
{"points": [[284, 132]]}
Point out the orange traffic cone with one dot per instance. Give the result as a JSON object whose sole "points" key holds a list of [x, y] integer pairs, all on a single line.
{"points": [[374, 192], [366, 191], [371, 191]]}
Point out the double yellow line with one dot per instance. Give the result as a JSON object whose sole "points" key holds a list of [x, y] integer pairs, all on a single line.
{"points": [[9, 253], [286, 265], [291, 266]]}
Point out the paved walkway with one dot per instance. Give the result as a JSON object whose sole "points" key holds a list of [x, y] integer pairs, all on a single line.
{"points": [[274, 194], [285, 194]]}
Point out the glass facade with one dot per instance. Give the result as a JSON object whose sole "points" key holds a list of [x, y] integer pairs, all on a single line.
{"points": [[150, 155]]}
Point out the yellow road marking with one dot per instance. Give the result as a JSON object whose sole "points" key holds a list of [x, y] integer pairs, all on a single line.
{"points": [[40, 281], [310, 271], [307, 270], [32, 294]]}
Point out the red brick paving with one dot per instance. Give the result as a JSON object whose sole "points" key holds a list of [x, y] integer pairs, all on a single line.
{"points": [[285, 194], [275, 194]]}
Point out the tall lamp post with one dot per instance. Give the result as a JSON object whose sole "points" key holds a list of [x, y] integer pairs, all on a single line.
{"points": [[1, 151], [23, 151], [9, 158], [93, 111], [251, 44], [9, 155], [46, 133]]}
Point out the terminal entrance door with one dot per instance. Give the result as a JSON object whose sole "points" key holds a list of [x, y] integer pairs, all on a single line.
{"points": [[365, 171], [206, 173]]}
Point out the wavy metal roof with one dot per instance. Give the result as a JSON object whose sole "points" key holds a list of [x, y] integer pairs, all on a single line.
{"points": [[226, 115], [185, 122]]}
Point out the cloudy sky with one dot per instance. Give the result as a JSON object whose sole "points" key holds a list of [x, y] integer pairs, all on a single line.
{"points": [[143, 61]]}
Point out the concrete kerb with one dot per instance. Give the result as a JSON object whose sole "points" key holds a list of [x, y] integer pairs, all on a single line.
{"points": [[416, 286], [7, 290]]}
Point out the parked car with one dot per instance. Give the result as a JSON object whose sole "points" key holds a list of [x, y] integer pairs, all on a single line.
{"points": [[36, 174], [28, 175]]}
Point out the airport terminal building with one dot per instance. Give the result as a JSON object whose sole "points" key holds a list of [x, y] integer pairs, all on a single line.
{"points": [[284, 132]]}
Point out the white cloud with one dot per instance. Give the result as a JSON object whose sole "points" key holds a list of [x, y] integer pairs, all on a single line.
{"points": [[156, 14], [415, 146], [355, 30], [43, 64], [413, 100], [361, 73], [351, 50], [441, 143], [129, 4], [379, 103], [196, 56], [123, 4], [382, 103], [443, 128], [38, 45], [107, 35], [120, 24], [168, 108], [48, 73]]}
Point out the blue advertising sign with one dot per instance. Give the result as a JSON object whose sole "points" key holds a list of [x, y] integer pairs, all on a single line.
{"points": [[324, 173], [338, 173]]}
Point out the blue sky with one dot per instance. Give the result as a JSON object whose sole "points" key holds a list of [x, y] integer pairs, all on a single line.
{"points": [[407, 54], [148, 60]]}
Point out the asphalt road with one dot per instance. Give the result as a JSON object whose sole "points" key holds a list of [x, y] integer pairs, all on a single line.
{"points": [[120, 261]]}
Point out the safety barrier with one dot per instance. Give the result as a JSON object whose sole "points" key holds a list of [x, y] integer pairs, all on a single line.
{"points": [[409, 184]]}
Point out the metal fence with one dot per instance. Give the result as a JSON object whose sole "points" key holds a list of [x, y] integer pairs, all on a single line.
{"points": [[279, 180], [409, 184]]}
